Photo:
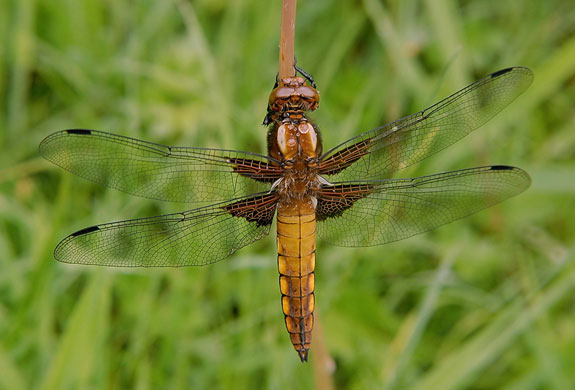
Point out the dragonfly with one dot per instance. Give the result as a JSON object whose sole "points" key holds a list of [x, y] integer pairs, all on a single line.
{"points": [[344, 195]]}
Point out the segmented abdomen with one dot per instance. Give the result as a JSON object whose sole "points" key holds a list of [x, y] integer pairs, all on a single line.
{"points": [[296, 263]]}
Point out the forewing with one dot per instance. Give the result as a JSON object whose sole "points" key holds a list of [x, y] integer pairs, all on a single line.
{"points": [[196, 237], [157, 171], [379, 152], [378, 212]]}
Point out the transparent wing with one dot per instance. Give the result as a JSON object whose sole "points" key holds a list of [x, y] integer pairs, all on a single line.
{"points": [[379, 152], [196, 237], [378, 212], [157, 171]]}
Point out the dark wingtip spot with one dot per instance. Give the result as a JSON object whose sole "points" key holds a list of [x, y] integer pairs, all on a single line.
{"points": [[85, 231], [79, 131], [501, 72], [501, 168]]}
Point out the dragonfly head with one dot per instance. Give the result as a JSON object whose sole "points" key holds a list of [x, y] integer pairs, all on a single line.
{"points": [[292, 94]]}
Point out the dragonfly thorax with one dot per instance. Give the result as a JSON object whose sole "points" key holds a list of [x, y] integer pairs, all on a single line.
{"points": [[293, 139]]}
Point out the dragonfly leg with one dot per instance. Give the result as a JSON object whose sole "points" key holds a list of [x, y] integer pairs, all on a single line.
{"points": [[306, 75]]}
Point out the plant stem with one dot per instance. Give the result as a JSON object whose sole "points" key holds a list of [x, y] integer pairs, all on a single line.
{"points": [[287, 56]]}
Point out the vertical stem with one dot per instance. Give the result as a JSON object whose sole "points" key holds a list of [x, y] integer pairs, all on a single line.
{"points": [[323, 364], [287, 39]]}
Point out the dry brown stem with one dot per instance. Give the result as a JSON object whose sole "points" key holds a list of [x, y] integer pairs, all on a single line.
{"points": [[287, 39]]}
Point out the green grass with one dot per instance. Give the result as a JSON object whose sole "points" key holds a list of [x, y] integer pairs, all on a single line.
{"points": [[487, 302]]}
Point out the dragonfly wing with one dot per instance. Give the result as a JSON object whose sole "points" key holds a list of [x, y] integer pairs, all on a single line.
{"points": [[382, 211], [379, 152], [157, 171], [196, 237]]}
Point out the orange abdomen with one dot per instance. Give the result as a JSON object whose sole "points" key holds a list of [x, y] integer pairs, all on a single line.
{"points": [[296, 263]]}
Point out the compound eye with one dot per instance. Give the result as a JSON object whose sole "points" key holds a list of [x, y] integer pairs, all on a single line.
{"points": [[283, 92], [280, 93], [308, 93]]}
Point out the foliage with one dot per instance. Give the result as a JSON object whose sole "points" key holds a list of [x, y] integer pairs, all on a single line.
{"points": [[487, 302]]}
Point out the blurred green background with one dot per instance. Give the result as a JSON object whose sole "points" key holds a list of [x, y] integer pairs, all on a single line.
{"points": [[483, 303]]}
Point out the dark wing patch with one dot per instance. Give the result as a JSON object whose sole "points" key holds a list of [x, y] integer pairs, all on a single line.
{"points": [[259, 209], [261, 171], [342, 159], [332, 201]]}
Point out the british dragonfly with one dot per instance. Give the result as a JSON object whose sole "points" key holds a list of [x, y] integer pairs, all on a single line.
{"points": [[343, 195]]}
